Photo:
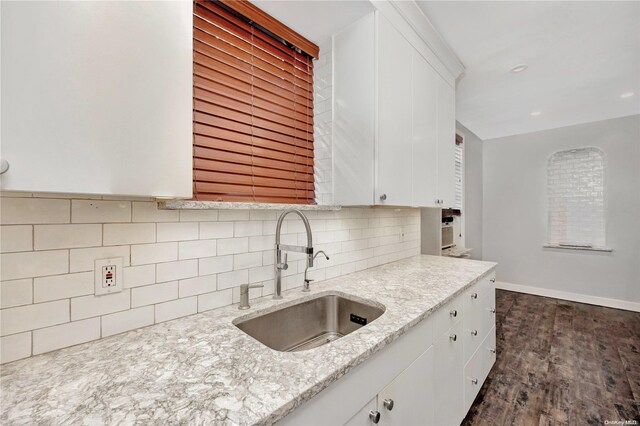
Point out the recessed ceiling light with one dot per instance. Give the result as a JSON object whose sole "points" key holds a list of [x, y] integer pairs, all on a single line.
{"points": [[535, 113], [627, 95], [519, 68]]}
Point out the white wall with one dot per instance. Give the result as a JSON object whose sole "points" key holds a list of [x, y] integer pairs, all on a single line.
{"points": [[473, 196], [515, 212]]}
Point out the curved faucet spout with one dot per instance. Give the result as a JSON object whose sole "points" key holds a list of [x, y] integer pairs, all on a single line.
{"points": [[304, 220], [279, 265]]}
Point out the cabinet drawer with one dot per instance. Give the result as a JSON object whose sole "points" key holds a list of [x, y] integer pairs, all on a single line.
{"points": [[472, 378], [488, 348], [447, 316]]}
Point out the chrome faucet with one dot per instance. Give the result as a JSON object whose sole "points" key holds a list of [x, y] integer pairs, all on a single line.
{"points": [[280, 264], [305, 286]]}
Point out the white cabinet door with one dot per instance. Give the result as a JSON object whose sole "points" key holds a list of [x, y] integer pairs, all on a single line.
{"points": [[394, 175], [446, 143], [425, 134], [361, 418], [354, 105], [97, 97], [448, 378], [408, 399]]}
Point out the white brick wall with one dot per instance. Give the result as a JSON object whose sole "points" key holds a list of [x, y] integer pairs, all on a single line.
{"points": [[575, 190], [182, 262]]}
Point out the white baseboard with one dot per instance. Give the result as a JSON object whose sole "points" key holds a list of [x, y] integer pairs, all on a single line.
{"points": [[574, 297]]}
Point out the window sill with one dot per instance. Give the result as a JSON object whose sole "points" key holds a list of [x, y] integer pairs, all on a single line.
{"points": [[558, 246], [222, 205]]}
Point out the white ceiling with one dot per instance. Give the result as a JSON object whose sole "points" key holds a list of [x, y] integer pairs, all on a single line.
{"points": [[582, 56], [317, 20]]}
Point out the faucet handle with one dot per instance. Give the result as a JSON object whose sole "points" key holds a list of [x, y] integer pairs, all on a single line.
{"points": [[305, 286], [283, 265]]}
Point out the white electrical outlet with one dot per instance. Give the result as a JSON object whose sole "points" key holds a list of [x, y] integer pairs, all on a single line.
{"points": [[108, 275]]}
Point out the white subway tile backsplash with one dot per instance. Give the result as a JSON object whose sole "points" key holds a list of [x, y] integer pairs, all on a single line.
{"points": [[33, 264], [15, 238], [263, 215], [172, 271], [115, 234], [84, 259], [247, 260], [48, 237], [136, 276], [61, 336], [154, 253], [214, 265], [197, 249], [215, 300], [198, 285], [198, 215], [14, 347], [16, 293], [57, 287], [233, 279], [216, 230], [233, 246], [247, 229], [149, 212], [176, 309], [127, 320], [233, 215], [31, 317], [93, 306], [261, 243], [17, 211], [155, 293], [178, 231], [261, 273], [95, 211]]}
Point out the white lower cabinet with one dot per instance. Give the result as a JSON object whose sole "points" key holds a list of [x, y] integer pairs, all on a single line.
{"points": [[429, 376], [447, 377], [408, 399], [363, 417]]}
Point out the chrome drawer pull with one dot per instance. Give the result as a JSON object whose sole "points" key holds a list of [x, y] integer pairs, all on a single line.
{"points": [[474, 332], [474, 295], [474, 381], [453, 313], [388, 404], [453, 337]]}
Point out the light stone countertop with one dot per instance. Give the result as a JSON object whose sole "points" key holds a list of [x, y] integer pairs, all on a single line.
{"points": [[226, 205], [201, 369]]}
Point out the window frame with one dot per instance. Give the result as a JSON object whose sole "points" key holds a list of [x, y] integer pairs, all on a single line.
{"points": [[576, 245]]}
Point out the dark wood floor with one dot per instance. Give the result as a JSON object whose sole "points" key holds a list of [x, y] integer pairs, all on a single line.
{"points": [[560, 363]]}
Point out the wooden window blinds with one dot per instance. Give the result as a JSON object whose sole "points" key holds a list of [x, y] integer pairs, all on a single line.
{"points": [[252, 109]]}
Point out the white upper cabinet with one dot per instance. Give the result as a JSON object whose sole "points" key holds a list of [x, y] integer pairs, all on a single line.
{"points": [[394, 123], [446, 143], [353, 124], [97, 97], [425, 132], [394, 144]]}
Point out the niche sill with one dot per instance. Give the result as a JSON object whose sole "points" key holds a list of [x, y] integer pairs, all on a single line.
{"points": [[558, 246], [223, 205]]}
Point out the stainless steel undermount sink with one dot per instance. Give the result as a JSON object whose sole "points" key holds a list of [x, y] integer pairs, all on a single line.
{"points": [[311, 323]]}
